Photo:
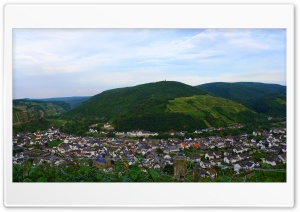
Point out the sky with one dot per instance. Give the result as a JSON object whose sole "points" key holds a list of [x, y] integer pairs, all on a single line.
{"points": [[84, 62]]}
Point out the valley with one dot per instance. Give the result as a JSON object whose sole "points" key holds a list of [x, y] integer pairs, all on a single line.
{"points": [[136, 134]]}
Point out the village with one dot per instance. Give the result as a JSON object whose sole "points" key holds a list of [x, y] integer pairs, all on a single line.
{"points": [[240, 153]]}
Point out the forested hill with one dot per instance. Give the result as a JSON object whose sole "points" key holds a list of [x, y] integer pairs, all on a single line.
{"points": [[162, 106], [148, 97], [25, 110], [33, 115], [269, 99]]}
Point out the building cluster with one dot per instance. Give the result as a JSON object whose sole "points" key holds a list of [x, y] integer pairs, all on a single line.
{"points": [[55, 147]]}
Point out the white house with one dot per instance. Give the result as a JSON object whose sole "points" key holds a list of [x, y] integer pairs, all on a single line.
{"points": [[209, 155]]}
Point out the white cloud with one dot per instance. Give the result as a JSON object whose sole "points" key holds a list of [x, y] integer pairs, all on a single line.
{"points": [[108, 58]]}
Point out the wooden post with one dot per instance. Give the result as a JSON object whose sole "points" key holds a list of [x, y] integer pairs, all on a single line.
{"points": [[180, 168]]}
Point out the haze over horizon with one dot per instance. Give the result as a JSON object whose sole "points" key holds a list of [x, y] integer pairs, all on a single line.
{"points": [[84, 62], [121, 87]]}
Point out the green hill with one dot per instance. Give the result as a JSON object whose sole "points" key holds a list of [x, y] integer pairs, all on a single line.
{"points": [[269, 99], [35, 108], [145, 98], [163, 106], [34, 115]]}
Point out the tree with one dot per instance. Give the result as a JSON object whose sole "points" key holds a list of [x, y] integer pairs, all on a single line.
{"points": [[159, 151]]}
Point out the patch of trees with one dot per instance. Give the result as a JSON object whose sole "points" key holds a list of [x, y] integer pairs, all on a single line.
{"points": [[32, 126], [158, 122]]}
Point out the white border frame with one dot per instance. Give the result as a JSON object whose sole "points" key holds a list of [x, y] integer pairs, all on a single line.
{"points": [[147, 16]]}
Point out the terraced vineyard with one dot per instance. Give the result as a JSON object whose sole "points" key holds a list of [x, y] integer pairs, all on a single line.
{"points": [[20, 116], [214, 110], [25, 110]]}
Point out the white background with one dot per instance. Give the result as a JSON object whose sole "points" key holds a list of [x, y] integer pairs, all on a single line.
{"points": [[220, 1]]}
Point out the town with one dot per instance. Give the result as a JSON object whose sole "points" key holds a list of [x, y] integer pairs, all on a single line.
{"points": [[261, 150]]}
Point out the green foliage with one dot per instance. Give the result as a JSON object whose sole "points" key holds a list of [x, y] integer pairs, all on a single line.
{"points": [[77, 172], [159, 151], [32, 126], [216, 111], [169, 169], [79, 125], [271, 105], [264, 165], [191, 151], [269, 99], [161, 122], [138, 103], [41, 108], [54, 143], [258, 155], [31, 115]]}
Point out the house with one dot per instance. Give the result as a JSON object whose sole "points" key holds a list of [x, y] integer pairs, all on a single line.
{"points": [[227, 153], [205, 164], [171, 149], [274, 149], [243, 156], [167, 157], [156, 166], [184, 145], [209, 155], [216, 162], [271, 160], [250, 165], [218, 154], [230, 159], [239, 166], [203, 146], [282, 157], [212, 173], [256, 133], [195, 158], [221, 145], [238, 150], [61, 149], [195, 145]]}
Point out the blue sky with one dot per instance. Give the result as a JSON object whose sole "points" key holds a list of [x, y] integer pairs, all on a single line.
{"points": [[85, 62]]}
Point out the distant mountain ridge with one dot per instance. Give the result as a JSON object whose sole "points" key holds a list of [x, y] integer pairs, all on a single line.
{"points": [[74, 101], [269, 99]]}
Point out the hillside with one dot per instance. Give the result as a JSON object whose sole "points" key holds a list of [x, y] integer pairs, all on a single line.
{"points": [[269, 99], [26, 110], [215, 111], [73, 101], [145, 98], [163, 106], [34, 115]]}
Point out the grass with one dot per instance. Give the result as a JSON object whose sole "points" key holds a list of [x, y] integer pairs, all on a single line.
{"points": [[55, 143], [57, 122]]}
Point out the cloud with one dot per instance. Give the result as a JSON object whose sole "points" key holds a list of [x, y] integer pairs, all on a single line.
{"points": [[99, 59]]}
